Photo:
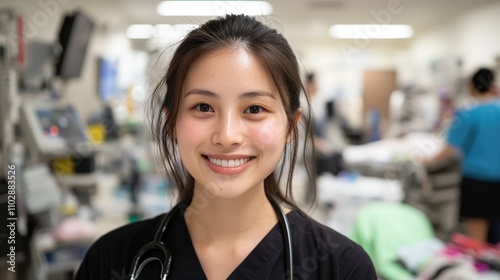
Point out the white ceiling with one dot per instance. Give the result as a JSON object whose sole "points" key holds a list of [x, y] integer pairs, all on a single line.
{"points": [[301, 20], [310, 19]]}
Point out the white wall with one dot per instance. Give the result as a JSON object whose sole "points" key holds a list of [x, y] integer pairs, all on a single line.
{"points": [[473, 37]]}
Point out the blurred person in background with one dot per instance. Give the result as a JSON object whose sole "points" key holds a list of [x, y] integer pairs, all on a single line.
{"points": [[328, 158], [473, 137]]}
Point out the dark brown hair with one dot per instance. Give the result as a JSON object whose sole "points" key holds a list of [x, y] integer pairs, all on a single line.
{"points": [[272, 50], [482, 80]]}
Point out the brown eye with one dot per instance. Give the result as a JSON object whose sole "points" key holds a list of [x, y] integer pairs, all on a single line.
{"points": [[254, 109], [203, 107]]}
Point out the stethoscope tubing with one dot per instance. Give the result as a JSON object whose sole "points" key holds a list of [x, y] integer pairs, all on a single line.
{"points": [[156, 243], [285, 228]]}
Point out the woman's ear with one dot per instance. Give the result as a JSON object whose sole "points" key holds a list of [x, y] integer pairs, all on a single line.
{"points": [[298, 117]]}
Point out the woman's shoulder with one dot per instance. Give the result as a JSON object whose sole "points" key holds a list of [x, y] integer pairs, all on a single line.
{"points": [[319, 243], [136, 231], [110, 255], [313, 231], [479, 107]]}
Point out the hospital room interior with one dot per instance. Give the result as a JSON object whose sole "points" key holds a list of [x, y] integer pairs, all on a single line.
{"points": [[385, 78]]}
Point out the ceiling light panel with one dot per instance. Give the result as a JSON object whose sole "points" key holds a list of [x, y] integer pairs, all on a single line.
{"points": [[371, 31], [213, 8]]}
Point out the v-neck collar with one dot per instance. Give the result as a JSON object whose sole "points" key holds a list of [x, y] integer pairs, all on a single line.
{"points": [[265, 251]]}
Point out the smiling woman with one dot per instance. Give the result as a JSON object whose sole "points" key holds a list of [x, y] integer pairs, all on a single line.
{"points": [[228, 128]]}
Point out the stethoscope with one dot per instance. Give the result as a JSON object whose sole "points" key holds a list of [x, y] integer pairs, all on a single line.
{"points": [[157, 244]]}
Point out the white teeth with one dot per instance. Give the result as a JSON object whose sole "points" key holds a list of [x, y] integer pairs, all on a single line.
{"points": [[229, 163]]}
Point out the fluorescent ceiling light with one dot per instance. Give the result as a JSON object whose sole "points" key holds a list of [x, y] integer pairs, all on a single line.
{"points": [[213, 8], [371, 31], [166, 31]]}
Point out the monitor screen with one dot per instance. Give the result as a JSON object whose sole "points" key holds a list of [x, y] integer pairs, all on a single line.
{"points": [[74, 37], [60, 123], [108, 80]]}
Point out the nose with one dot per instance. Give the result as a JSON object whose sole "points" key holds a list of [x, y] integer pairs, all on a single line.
{"points": [[229, 130]]}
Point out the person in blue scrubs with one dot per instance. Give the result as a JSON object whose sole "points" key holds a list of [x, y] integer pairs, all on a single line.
{"points": [[227, 119], [474, 137]]}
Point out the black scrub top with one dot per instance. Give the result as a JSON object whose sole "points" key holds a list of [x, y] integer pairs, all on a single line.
{"points": [[319, 253]]}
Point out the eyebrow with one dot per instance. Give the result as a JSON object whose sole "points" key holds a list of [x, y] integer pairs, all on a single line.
{"points": [[202, 92], [257, 94], [245, 95]]}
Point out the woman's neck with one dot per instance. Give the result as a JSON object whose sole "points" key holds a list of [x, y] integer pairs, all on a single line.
{"points": [[485, 97], [216, 219]]}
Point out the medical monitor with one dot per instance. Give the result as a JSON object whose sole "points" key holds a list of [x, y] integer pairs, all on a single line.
{"points": [[74, 36], [52, 127], [59, 123]]}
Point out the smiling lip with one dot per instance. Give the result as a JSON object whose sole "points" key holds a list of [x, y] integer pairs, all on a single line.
{"points": [[228, 164]]}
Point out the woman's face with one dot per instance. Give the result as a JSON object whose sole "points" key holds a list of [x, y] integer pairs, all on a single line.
{"points": [[231, 129]]}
